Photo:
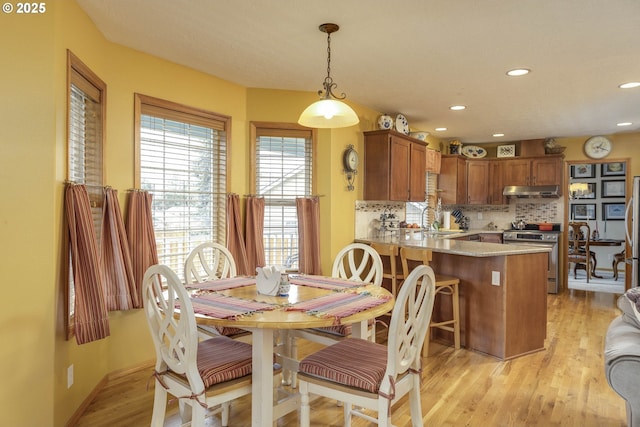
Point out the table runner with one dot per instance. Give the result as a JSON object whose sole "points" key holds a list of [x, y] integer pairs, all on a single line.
{"points": [[225, 307], [324, 282], [339, 304], [222, 284]]}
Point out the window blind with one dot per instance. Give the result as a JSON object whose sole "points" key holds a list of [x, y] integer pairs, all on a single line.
{"points": [[183, 164]]}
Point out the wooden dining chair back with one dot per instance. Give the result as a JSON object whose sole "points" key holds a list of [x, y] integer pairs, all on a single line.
{"points": [[212, 261], [209, 261], [367, 375], [578, 250], [446, 287], [200, 374], [389, 254]]}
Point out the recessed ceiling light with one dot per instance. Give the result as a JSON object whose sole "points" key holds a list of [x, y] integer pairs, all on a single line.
{"points": [[629, 85], [625, 124], [440, 129], [518, 72], [457, 107], [497, 135]]}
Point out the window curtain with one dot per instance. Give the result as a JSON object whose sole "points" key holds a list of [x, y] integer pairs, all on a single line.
{"points": [[235, 239], [142, 240], [254, 233], [308, 211], [91, 316], [115, 259]]}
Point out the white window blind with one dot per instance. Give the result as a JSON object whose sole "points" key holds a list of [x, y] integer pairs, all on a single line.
{"points": [[183, 164], [283, 172]]}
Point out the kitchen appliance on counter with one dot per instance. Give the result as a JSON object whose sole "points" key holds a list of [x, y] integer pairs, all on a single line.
{"points": [[632, 229], [550, 239]]}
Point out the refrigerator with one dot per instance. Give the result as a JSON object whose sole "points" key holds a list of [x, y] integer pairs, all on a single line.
{"points": [[632, 229]]}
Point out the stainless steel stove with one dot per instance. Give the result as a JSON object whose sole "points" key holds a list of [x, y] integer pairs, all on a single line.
{"points": [[545, 238]]}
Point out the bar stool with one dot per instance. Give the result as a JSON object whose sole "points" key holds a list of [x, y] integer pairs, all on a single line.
{"points": [[389, 255], [445, 285]]}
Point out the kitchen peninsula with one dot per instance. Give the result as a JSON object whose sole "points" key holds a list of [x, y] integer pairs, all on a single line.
{"points": [[503, 291]]}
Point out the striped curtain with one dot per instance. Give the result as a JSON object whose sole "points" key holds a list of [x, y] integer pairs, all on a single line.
{"points": [[254, 233], [235, 240], [115, 259], [142, 239], [308, 211], [91, 316]]}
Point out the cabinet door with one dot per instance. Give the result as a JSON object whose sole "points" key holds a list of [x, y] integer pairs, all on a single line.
{"points": [[477, 182], [452, 181], [496, 182], [399, 169], [547, 171], [418, 178], [517, 172]]}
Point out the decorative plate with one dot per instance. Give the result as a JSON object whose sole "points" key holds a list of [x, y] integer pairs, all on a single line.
{"points": [[474, 151], [402, 125]]}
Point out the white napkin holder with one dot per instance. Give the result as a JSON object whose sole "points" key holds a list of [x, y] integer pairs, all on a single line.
{"points": [[268, 280]]}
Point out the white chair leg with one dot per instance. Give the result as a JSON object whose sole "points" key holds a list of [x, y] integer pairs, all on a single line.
{"points": [[414, 402], [305, 409], [347, 413], [224, 415], [159, 405], [293, 348], [198, 415]]}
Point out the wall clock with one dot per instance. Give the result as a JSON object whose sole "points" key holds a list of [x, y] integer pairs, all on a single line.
{"points": [[350, 161], [597, 147]]}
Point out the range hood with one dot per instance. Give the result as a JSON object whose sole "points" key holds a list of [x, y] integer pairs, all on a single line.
{"points": [[531, 191]]}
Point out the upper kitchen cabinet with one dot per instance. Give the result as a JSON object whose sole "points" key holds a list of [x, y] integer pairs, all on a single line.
{"points": [[452, 181], [485, 182], [394, 166], [534, 171]]}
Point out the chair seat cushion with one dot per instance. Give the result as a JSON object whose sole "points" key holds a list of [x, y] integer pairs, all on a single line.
{"points": [[353, 362], [340, 330], [222, 330], [222, 359]]}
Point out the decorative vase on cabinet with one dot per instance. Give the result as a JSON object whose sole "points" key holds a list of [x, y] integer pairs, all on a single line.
{"points": [[385, 122]]}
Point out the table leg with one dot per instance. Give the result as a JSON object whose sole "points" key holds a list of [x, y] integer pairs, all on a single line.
{"points": [[359, 329], [262, 386]]}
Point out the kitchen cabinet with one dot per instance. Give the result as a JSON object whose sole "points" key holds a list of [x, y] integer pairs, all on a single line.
{"points": [[452, 181], [394, 166], [534, 171], [491, 237], [485, 182]]}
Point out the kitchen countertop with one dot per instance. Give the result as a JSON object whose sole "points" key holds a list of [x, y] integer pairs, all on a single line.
{"points": [[446, 243]]}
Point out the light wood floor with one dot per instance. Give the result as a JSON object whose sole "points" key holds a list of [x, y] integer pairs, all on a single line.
{"points": [[564, 385]]}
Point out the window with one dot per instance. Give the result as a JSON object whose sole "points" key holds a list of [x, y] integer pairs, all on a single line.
{"points": [[86, 100], [415, 211], [182, 155], [283, 171]]}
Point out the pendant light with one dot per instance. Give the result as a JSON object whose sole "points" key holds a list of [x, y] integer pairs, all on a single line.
{"points": [[329, 112]]}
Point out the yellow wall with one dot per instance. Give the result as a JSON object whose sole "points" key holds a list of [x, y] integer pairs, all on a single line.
{"points": [[33, 167]]}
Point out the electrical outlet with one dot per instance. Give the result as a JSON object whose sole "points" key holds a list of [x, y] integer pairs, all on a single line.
{"points": [[495, 278], [479, 215], [70, 376]]}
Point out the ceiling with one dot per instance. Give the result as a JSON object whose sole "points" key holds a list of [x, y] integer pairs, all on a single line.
{"points": [[415, 57]]}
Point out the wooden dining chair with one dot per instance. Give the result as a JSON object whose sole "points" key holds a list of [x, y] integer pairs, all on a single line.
{"points": [[365, 374], [389, 254], [445, 286], [212, 261], [578, 250], [200, 374]]}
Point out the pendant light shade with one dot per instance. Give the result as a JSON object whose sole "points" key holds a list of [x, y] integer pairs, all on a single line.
{"points": [[329, 112]]}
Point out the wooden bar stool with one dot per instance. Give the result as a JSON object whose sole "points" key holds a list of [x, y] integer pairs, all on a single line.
{"points": [[445, 285], [389, 255]]}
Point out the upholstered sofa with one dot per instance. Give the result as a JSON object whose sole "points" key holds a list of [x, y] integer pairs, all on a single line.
{"points": [[622, 354]]}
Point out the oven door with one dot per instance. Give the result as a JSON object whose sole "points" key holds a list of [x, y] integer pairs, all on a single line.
{"points": [[552, 272]]}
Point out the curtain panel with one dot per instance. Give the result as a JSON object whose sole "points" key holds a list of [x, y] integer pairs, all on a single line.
{"points": [[91, 316], [308, 211], [115, 260], [254, 236], [141, 237], [235, 239]]}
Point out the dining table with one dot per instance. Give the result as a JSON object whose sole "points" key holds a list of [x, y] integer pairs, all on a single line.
{"points": [[599, 242], [311, 302]]}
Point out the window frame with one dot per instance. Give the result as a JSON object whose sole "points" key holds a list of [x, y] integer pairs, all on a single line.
{"points": [[156, 107], [81, 76], [285, 130]]}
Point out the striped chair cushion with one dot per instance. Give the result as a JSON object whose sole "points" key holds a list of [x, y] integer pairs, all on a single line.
{"points": [[222, 359], [353, 362], [222, 330], [340, 330]]}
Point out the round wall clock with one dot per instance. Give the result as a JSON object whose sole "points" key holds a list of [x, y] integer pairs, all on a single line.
{"points": [[597, 147], [350, 159]]}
